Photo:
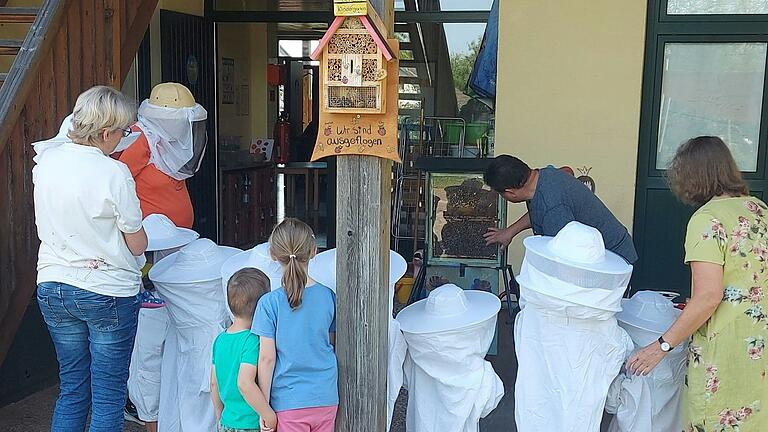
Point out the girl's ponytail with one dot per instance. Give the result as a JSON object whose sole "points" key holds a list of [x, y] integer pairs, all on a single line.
{"points": [[292, 244]]}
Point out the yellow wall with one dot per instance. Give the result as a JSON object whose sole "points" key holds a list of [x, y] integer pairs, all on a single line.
{"points": [[246, 43], [570, 77]]}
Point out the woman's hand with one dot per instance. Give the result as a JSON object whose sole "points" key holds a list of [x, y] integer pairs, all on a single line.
{"points": [[643, 361]]}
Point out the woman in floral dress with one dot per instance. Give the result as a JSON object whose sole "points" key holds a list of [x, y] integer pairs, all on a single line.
{"points": [[726, 247]]}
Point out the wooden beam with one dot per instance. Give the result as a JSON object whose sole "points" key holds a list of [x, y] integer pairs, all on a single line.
{"points": [[363, 206], [362, 239], [135, 34]]}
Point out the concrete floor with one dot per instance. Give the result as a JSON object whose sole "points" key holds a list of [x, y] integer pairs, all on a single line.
{"points": [[33, 413]]}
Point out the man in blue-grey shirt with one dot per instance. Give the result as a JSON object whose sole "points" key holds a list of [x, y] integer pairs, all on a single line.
{"points": [[554, 198]]}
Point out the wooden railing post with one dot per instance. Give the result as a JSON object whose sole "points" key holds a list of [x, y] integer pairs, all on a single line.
{"points": [[363, 221]]}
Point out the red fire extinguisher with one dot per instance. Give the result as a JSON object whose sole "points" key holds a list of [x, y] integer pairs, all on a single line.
{"points": [[282, 135]]}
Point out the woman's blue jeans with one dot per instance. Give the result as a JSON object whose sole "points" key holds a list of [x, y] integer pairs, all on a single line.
{"points": [[93, 335]]}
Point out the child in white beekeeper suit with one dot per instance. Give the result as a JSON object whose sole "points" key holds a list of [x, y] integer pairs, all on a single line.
{"points": [[450, 384], [322, 268], [568, 343], [190, 283], [649, 403], [163, 238]]}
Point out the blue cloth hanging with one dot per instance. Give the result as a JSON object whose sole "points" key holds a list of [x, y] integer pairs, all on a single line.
{"points": [[483, 77]]}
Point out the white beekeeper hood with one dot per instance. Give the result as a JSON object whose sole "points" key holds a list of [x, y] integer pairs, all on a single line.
{"points": [[571, 289], [652, 402], [322, 269], [647, 315], [62, 137], [258, 258], [163, 234], [575, 266], [176, 136], [448, 308], [450, 384], [199, 261], [189, 282]]}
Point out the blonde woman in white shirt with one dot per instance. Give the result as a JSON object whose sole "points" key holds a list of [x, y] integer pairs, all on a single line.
{"points": [[88, 272]]}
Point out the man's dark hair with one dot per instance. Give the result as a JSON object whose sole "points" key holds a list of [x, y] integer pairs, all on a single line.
{"points": [[506, 172]]}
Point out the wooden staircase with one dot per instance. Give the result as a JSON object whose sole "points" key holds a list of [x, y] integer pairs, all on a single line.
{"points": [[70, 46]]}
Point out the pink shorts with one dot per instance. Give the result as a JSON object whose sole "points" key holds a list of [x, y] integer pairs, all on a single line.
{"points": [[319, 419]]}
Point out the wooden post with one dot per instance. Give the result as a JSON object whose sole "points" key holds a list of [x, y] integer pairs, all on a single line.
{"points": [[362, 268]]}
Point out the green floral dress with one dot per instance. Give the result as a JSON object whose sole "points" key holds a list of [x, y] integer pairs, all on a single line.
{"points": [[727, 388]]}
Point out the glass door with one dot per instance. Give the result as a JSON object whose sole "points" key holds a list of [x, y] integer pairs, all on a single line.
{"points": [[705, 74]]}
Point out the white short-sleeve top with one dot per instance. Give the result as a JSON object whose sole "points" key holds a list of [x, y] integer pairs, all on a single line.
{"points": [[84, 201]]}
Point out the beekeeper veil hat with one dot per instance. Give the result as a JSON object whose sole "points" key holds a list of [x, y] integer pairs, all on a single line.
{"points": [[175, 127]]}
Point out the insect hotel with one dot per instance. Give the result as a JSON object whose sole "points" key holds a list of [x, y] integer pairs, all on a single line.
{"points": [[353, 66], [359, 85]]}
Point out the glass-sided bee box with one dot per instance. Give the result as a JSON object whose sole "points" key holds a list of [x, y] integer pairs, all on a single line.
{"points": [[460, 209]]}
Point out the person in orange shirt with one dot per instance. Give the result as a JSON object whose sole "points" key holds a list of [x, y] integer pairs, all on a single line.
{"points": [[168, 151]]}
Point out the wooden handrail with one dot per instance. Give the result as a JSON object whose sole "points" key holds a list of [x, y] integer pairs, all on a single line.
{"points": [[23, 73]]}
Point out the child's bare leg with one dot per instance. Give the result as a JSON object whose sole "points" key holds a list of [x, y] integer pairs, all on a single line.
{"points": [[151, 426]]}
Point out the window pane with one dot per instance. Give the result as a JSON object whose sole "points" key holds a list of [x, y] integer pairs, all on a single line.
{"points": [[726, 7], [712, 89]]}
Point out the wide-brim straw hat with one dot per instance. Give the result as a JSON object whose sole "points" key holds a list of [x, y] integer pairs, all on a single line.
{"points": [[163, 234], [448, 308], [322, 268], [199, 261]]}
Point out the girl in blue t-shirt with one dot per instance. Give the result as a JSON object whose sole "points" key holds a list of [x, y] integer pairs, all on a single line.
{"points": [[296, 326]]}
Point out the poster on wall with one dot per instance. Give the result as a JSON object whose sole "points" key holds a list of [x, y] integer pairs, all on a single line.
{"points": [[227, 81]]}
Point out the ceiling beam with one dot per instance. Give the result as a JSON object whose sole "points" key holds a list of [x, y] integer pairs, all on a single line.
{"points": [[320, 16]]}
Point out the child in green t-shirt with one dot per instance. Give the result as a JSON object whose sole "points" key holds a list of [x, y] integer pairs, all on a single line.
{"points": [[239, 402]]}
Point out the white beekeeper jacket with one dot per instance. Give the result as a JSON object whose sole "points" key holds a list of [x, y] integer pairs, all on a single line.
{"points": [[190, 283], [652, 402], [450, 384], [568, 343]]}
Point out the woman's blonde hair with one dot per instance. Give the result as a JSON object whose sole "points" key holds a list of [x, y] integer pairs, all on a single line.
{"points": [[703, 168], [97, 109], [292, 244]]}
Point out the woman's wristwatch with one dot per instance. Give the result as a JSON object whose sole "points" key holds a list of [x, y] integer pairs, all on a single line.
{"points": [[665, 346]]}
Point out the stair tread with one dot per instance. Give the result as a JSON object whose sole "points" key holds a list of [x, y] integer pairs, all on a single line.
{"points": [[11, 43], [19, 10], [18, 14]]}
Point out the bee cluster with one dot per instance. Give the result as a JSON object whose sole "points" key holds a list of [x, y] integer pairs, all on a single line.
{"points": [[470, 211]]}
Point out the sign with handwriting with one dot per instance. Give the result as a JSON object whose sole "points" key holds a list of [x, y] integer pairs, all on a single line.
{"points": [[342, 134]]}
